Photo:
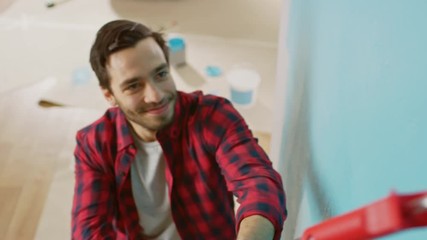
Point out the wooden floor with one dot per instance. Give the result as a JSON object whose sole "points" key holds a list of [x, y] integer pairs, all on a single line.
{"points": [[33, 142]]}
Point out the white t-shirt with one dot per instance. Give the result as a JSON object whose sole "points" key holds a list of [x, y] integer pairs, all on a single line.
{"points": [[150, 192]]}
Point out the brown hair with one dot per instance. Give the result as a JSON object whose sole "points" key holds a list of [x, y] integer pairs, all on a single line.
{"points": [[115, 36]]}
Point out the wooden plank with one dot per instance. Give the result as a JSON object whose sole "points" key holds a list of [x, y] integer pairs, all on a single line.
{"points": [[5, 151], [30, 203], [264, 140], [8, 199]]}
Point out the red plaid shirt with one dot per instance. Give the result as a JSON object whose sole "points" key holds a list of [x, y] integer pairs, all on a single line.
{"points": [[210, 155]]}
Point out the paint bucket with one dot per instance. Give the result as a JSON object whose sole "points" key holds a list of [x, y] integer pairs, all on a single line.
{"points": [[176, 45], [244, 82]]}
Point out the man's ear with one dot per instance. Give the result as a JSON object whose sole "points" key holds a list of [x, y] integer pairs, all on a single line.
{"points": [[109, 96]]}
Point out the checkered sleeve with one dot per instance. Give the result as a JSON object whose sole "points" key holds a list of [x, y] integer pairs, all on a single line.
{"points": [[246, 167], [93, 203]]}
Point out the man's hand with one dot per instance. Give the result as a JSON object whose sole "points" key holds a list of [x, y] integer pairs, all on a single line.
{"points": [[255, 227]]}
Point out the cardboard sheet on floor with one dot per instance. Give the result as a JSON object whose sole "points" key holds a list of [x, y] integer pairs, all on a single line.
{"points": [[69, 93]]}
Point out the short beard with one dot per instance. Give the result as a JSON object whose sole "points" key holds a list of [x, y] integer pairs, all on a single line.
{"points": [[152, 124]]}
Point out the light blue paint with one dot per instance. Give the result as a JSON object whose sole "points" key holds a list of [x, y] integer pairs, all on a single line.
{"points": [[176, 44], [241, 97], [367, 100], [81, 75], [213, 71]]}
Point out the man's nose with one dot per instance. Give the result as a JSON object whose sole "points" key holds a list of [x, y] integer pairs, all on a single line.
{"points": [[152, 93]]}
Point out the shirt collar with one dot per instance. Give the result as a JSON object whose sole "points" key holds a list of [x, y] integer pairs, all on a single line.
{"points": [[123, 130]]}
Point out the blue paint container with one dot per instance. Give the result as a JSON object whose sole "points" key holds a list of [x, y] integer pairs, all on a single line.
{"points": [[176, 47], [176, 44], [244, 84]]}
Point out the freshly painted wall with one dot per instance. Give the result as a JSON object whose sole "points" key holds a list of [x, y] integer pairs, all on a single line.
{"points": [[355, 112]]}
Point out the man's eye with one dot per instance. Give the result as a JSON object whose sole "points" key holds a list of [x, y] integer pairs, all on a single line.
{"points": [[132, 86], [162, 75]]}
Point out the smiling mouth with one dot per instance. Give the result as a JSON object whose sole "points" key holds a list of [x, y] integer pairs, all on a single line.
{"points": [[159, 110]]}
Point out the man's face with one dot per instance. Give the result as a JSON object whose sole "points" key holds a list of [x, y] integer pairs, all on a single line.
{"points": [[141, 85]]}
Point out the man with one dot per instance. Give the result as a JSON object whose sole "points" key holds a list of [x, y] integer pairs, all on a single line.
{"points": [[163, 164]]}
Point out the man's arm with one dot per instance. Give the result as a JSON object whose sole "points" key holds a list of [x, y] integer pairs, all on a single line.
{"points": [[248, 172], [93, 203], [255, 227]]}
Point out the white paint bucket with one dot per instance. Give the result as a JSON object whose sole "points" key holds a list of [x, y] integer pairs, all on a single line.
{"points": [[244, 82]]}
